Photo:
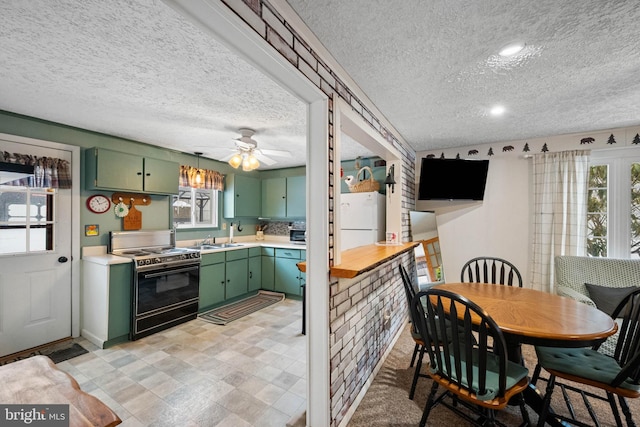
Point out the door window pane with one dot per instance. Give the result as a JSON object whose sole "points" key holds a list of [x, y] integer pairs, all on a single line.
{"points": [[26, 220]]}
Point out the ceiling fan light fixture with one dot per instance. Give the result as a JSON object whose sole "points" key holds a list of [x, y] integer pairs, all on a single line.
{"points": [[235, 161], [245, 164], [253, 162], [198, 175]]}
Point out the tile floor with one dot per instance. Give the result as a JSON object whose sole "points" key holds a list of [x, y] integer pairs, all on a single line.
{"points": [[250, 372]]}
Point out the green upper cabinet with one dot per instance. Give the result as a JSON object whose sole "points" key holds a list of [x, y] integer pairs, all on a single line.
{"points": [[296, 196], [114, 170], [274, 197], [242, 195], [284, 197], [159, 176]]}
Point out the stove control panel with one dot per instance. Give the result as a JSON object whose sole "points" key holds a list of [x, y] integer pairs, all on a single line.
{"points": [[167, 259]]}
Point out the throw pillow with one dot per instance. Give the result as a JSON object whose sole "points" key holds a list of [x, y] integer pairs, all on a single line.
{"points": [[606, 298]]}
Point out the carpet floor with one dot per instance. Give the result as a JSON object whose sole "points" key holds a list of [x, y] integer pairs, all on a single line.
{"points": [[234, 311], [387, 403]]}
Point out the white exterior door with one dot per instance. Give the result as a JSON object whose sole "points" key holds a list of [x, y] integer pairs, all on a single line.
{"points": [[35, 260]]}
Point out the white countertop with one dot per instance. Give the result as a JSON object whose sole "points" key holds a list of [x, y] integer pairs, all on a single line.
{"points": [[99, 255]]}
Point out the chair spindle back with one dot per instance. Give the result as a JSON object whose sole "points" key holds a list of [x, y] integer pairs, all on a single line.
{"points": [[491, 270]]}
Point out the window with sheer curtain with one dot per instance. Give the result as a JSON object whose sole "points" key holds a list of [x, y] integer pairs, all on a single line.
{"points": [[196, 204]]}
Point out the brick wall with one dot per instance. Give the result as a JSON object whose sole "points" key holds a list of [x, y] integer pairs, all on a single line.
{"points": [[358, 333]]}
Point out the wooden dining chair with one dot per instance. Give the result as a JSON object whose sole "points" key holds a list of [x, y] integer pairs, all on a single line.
{"points": [[474, 375], [615, 376], [491, 270], [418, 348]]}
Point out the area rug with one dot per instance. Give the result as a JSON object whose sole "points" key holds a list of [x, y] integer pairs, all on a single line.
{"points": [[58, 352], [236, 310]]}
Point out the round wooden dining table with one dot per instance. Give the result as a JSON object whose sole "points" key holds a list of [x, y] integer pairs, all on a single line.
{"points": [[528, 316]]}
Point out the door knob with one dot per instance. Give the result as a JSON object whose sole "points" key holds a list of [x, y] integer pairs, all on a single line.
{"points": [[63, 259]]}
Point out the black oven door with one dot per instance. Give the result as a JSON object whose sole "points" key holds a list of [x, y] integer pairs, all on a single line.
{"points": [[166, 288]]}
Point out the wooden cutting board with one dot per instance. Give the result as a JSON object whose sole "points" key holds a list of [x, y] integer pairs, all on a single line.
{"points": [[133, 221]]}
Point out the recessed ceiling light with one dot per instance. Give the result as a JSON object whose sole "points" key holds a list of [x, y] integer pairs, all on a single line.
{"points": [[498, 110], [511, 49]]}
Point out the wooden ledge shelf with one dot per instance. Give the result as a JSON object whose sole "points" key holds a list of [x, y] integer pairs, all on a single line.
{"points": [[364, 258]]}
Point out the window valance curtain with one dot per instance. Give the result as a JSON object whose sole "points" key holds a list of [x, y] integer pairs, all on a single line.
{"points": [[49, 172], [211, 180], [560, 189]]}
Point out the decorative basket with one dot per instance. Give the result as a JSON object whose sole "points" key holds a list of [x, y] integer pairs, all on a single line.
{"points": [[365, 185]]}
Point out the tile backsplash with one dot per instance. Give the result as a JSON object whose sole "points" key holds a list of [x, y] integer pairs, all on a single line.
{"points": [[281, 228]]}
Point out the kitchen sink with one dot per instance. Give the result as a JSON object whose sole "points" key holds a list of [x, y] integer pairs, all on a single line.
{"points": [[215, 246]]}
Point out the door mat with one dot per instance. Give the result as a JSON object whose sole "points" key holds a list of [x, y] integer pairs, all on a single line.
{"points": [[236, 310], [58, 353]]}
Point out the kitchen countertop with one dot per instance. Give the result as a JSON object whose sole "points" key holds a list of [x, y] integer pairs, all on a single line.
{"points": [[359, 260], [99, 255]]}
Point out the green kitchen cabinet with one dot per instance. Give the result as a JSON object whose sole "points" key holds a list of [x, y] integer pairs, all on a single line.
{"points": [[161, 176], [120, 277], [296, 200], [212, 280], [268, 268], [237, 268], [242, 196], [284, 197], [237, 283], [274, 197], [118, 171], [255, 269], [287, 276]]}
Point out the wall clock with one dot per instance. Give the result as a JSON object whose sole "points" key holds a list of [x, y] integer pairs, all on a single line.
{"points": [[98, 203]]}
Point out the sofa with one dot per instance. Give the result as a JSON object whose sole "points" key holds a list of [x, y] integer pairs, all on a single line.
{"points": [[573, 273]]}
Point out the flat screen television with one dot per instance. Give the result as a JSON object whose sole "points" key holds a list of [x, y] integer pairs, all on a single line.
{"points": [[452, 179]]}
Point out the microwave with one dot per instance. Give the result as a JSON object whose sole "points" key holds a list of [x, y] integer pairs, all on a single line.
{"points": [[298, 236]]}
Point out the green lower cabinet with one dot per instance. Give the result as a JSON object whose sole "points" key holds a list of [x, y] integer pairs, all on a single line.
{"points": [[255, 273], [212, 285], [287, 276], [237, 283], [268, 269], [119, 303]]}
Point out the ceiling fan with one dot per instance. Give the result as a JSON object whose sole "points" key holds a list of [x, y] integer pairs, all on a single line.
{"points": [[249, 155]]}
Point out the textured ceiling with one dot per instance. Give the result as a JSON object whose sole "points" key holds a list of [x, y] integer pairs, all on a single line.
{"points": [[136, 69], [431, 67]]}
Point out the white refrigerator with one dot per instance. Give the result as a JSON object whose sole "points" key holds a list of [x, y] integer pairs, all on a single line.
{"points": [[362, 219]]}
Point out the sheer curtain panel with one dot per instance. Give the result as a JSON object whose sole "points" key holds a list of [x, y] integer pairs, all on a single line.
{"points": [[560, 183]]}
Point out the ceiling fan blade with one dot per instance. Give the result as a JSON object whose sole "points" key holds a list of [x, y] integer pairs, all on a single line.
{"points": [[280, 153], [264, 159]]}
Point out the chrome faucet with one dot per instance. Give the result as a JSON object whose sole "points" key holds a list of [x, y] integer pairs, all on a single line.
{"points": [[207, 241]]}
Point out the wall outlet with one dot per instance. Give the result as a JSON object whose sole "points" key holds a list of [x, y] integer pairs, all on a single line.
{"points": [[224, 225]]}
